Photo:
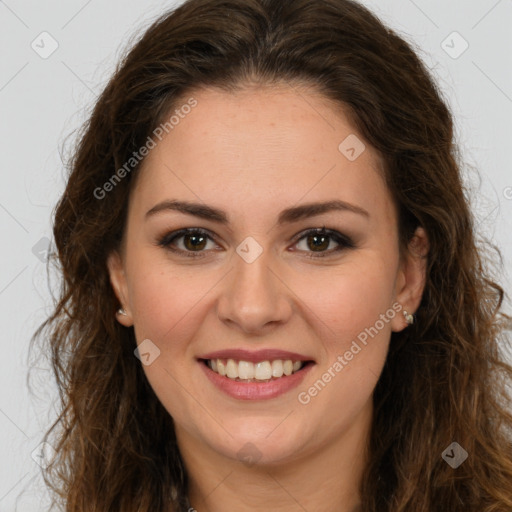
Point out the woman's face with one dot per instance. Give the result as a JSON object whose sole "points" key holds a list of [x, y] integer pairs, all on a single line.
{"points": [[256, 285]]}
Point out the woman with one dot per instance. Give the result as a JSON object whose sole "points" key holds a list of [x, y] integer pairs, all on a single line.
{"points": [[273, 298]]}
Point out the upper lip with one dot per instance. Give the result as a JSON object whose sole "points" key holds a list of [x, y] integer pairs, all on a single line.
{"points": [[255, 356]]}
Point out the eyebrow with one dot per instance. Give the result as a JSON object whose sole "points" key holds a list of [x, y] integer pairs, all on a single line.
{"points": [[287, 216]]}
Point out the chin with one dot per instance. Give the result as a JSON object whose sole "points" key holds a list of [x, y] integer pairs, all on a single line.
{"points": [[253, 442]]}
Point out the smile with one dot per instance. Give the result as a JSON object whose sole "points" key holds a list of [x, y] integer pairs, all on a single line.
{"points": [[247, 371], [259, 375]]}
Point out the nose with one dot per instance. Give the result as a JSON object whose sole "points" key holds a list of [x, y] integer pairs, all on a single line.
{"points": [[255, 297]]}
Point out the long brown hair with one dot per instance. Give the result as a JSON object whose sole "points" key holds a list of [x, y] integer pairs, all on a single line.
{"points": [[444, 379]]}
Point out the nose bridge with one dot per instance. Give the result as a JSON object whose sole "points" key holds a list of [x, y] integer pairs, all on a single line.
{"points": [[253, 296]]}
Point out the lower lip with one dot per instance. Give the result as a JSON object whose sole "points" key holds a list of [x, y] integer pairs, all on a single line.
{"points": [[256, 390]]}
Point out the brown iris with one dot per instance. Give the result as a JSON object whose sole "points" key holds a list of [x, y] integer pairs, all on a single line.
{"points": [[196, 241], [323, 244]]}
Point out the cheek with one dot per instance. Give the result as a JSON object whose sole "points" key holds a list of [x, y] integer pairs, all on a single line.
{"points": [[352, 314], [349, 299], [352, 310], [164, 305], [167, 309]]}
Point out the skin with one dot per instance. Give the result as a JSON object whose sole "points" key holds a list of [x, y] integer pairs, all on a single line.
{"points": [[252, 154]]}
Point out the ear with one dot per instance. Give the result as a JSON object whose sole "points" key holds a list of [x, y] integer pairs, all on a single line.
{"points": [[118, 280], [411, 278]]}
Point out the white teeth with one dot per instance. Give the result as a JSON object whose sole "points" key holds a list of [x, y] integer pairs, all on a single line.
{"points": [[221, 367], [245, 370], [262, 370], [248, 371], [231, 369], [277, 368]]}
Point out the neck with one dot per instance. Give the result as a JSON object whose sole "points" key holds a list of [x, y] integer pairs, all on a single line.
{"points": [[324, 479]]}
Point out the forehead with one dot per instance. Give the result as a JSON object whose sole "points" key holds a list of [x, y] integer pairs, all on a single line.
{"points": [[275, 145]]}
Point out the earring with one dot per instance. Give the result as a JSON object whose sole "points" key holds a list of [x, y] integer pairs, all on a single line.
{"points": [[408, 318], [121, 311]]}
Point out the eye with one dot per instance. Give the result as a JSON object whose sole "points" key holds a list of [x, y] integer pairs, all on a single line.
{"points": [[193, 242], [318, 240]]}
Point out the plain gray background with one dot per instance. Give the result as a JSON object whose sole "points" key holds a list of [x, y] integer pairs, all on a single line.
{"points": [[43, 98]]}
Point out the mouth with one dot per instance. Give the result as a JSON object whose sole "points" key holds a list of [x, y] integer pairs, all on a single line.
{"points": [[259, 375], [262, 371]]}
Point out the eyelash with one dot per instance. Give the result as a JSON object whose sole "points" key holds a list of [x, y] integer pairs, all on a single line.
{"points": [[344, 241]]}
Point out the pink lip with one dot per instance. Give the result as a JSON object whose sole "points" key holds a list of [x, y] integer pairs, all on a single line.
{"points": [[255, 390], [255, 356]]}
